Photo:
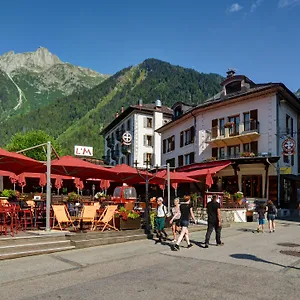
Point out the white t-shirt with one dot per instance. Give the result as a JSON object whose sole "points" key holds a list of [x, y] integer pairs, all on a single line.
{"points": [[161, 211]]}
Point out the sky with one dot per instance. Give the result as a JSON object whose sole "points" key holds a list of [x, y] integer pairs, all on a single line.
{"points": [[258, 38]]}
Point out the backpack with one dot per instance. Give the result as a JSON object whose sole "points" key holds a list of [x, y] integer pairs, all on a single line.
{"points": [[272, 210]]}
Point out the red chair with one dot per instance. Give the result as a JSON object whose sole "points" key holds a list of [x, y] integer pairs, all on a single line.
{"points": [[7, 219], [27, 218]]}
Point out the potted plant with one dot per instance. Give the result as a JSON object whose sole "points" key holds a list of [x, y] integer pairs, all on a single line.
{"points": [[247, 154], [229, 124], [238, 196], [10, 194], [127, 219], [100, 196], [73, 197]]}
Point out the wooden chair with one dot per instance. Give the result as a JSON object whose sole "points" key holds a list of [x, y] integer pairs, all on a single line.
{"points": [[88, 214], [62, 216], [107, 216], [97, 205]]}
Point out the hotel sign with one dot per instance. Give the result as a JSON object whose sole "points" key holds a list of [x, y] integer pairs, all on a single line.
{"points": [[288, 146], [83, 151]]}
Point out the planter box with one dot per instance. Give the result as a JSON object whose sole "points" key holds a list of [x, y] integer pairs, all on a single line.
{"points": [[129, 224]]}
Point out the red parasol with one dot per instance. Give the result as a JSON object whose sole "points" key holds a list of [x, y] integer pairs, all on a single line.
{"points": [[43, 180], [176, 177], [17, 163], [174, 185], [72, 166], [104, 184], [22, 181], [209, 180], [79, 184], [58, 182]]}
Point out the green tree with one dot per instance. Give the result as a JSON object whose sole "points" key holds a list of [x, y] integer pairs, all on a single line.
{"points": [[22, 141]]}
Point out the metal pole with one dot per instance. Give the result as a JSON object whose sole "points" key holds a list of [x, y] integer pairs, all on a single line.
{"points": [[48, 195], [169, 187], [147, 226], [278, 151]]}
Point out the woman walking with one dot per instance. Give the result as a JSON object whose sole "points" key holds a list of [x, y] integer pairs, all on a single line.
{"points": [[271, 214], [186, 211], [176, 219], [261, 217]]}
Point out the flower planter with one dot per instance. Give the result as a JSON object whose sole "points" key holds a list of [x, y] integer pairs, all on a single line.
{"points": [[129, 224]]}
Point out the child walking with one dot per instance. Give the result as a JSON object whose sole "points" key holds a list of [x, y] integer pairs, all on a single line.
{"points": [[261, 217]]}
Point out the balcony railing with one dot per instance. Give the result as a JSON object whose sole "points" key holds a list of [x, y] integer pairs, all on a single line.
{"points": [[234, 129], [110, 142], [115, 154], [239, 155]]}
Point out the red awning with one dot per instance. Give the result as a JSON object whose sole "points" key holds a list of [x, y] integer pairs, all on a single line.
{"points": [[203, 172]]}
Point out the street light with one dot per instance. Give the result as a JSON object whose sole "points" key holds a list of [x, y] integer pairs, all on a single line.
{"points": [[147, 179]]}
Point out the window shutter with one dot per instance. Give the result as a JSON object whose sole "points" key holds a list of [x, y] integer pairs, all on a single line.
{"points": [[254, 147], [145, 122], [253, 119], [214, 123], [292, 127], [181, 139], [164, 146], [145, 140], [192, 157], [144, 158], [214, 152], [192, 134]]}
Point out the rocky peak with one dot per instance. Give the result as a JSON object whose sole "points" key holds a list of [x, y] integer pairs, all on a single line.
{"points": [[36, 61]]}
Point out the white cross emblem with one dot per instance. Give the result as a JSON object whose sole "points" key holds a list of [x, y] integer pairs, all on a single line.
{"points": [[127, 138], [289, 145]]}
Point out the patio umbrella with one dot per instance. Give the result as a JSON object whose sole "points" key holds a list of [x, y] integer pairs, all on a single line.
{"points": [[176, 177], [72, 166], [13, 179], [175, 186], [104, 185], [209, 181], [17, 163], [22, 181], [79, 184], [162, 187], [43, 181], [58, 182]]}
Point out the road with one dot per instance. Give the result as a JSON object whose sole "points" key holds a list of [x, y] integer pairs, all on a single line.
{"points": [[248, 266]]}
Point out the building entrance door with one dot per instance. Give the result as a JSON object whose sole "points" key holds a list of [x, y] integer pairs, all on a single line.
{"points": [[252, 186]]}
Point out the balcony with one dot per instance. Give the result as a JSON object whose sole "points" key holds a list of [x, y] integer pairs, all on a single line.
{"points": [[234, 134], [110, 143], [115, 154], [241, 156]]}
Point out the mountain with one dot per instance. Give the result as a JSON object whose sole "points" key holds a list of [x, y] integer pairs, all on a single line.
{"points": [[78, 118], [34, 79], [298, 93]]}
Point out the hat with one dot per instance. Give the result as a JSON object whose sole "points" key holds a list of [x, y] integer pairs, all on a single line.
{"points": [[160, 199]]}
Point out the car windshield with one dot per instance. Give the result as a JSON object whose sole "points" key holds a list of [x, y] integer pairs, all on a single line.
{"points": [[130, 193]]}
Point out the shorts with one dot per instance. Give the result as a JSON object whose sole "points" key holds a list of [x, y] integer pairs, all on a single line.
{"points": [[184, 223], [160, 223], [271, 217], [176, 222], [261, 221]]}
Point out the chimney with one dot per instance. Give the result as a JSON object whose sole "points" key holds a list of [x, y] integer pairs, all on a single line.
{"points": [[158, 103], [230, 73], [116, 115], [122, 109], [141, 102]]}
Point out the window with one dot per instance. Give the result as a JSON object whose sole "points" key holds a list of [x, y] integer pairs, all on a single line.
{"points": [[234, 129], [221, 126], [148, 158], [189, 136], [171, 162], [148, 140], [221, 153], [252, 186], [233, 151], [164, 146], [251, 147], [287, 124], [189, 158], [180, 160], [246, 122], [129, 125], [181, 139], [233, 87], [148, 122], [286, 159], [214, 128], [171, 143], [214, 152]]}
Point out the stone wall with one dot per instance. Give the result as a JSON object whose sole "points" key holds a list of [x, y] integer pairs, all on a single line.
{"points": [[227, 215]]}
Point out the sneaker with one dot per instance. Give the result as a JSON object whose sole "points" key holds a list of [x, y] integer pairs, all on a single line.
{"points": [[257, 229], [273, 230], [175, 247], [190, 246], [220, 244], [270, 231], [206, 246], [174, 241]]}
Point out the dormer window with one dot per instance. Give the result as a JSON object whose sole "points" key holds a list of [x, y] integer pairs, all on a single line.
{"points": [[178, 112], [233, 87]]}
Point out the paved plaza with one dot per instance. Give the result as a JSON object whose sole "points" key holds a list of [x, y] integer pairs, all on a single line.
{"points": [[249, 266]]}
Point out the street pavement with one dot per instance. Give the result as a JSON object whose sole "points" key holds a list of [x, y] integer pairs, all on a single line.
{"points": [[248, 266]]}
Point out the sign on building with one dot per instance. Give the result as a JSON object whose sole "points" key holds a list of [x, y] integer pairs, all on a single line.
{"points": [[288, 146], [83, 151]]}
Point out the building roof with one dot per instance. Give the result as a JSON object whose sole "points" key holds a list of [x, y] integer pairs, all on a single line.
{"points": [[252, 90], [144, 108]]}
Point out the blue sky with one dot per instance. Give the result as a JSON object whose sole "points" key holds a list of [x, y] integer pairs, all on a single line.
{"points": [[259, 38]]}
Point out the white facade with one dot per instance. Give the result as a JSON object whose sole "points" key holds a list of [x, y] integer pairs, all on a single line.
{"points": [[141, 123]]}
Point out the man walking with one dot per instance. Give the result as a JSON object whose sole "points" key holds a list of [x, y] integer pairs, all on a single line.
{"points": [[214, 221]]}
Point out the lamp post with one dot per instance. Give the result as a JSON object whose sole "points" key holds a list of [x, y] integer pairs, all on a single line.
{"points": [[147, 178]]}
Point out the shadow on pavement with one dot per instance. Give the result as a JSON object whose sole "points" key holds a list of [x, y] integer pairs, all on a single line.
{"points": [[199, 244], [255, 258]]}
